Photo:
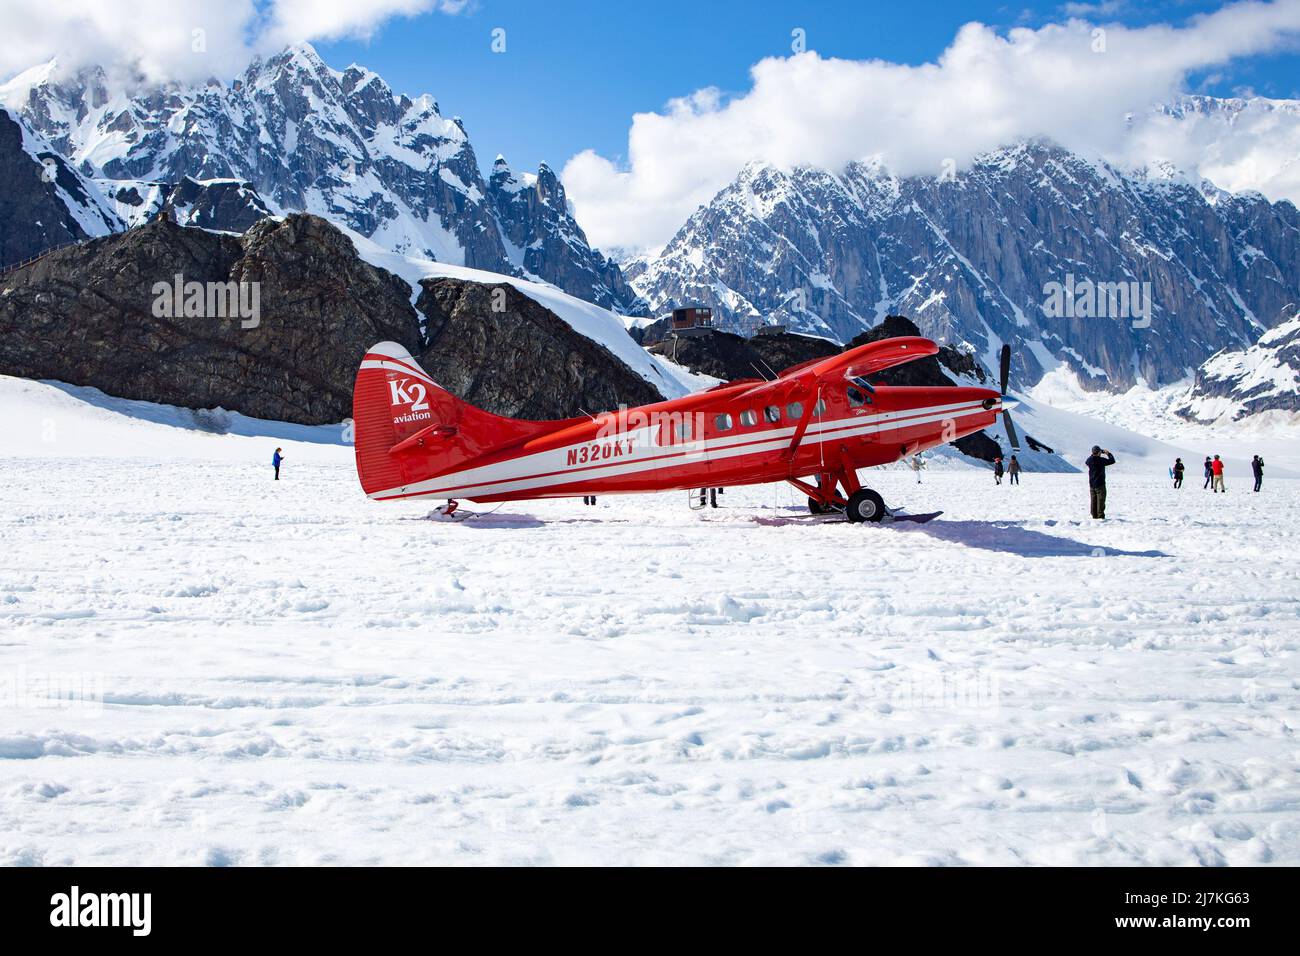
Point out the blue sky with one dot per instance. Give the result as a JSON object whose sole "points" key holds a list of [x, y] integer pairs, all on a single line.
{"points": [[574, 73]]}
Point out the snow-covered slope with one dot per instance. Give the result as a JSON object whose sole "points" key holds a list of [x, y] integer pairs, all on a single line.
{"points": [[1265, 377], [53, 420], [1143, 411]]}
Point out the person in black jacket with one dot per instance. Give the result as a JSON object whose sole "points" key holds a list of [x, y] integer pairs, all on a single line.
{"points": [[1257, 466], [1097, 463], [1178, 472], [1209, 472]]}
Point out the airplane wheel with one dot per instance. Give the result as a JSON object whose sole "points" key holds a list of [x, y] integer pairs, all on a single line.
{"points": [[865, 505], [816, 507]]}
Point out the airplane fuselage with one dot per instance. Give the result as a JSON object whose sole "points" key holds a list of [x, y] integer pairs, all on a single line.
{"points": [[723, 437]]}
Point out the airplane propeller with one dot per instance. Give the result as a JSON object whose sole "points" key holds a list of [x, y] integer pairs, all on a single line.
{"points": [[1004, 373]]}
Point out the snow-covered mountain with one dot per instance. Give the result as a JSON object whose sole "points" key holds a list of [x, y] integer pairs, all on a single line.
{"points": [[543, 239], [1235, 383], [341, 145], [44, 201], [974, 257]]}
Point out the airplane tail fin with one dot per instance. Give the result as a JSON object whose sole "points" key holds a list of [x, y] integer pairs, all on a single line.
{"points": [[407, 428]]}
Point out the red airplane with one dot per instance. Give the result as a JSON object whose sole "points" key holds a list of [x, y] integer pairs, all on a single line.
{"points": [[813, 426]]}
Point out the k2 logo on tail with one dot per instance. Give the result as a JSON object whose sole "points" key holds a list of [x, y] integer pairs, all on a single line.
{"points": [[417, 401], [402, 391]]}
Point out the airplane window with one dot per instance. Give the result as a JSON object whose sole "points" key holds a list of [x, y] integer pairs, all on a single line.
{"points": [[819, 409], [684, 431], [748, 417], [795, 410], [856, 398], [772, 414], [723, 422]]}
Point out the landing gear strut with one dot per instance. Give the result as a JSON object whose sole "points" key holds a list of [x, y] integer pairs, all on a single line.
{"points": [[861, 504]]}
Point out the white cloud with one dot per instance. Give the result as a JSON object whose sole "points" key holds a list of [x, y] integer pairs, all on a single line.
{"points": [[183, 39], [294, 20], [1062, 81]]}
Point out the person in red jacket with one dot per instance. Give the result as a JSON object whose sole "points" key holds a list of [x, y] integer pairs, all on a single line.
{"points": [[1217, 468]]}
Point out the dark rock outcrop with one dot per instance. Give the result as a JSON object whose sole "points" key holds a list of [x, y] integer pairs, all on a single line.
{"points": [[223, 205], [506, 353], [86, 315]]}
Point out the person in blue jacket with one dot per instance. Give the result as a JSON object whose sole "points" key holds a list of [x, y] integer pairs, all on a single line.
{"points": [[275, 461]]}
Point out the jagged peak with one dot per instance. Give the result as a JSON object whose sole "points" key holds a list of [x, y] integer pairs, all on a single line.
{"points": [[40, 75], [426, 104], [61, 80], [503, 178], [1230, 105], [357, 78], [301, 51], [297, 56], [756, 168], [547, 178]]}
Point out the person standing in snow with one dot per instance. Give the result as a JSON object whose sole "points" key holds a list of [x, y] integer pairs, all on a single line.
{"points": [[997, 470], [1097, 463], [1209, 473], [1013, 470], [1257, 466], [917, 465], [1178, 472], [275, 463], [1216, 469]]}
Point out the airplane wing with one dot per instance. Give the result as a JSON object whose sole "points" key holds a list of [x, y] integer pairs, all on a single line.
{"points": [[856, 363], [869, 359]]}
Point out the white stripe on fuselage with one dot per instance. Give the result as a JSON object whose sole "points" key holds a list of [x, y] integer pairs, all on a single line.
{"points": [[551, 467]]}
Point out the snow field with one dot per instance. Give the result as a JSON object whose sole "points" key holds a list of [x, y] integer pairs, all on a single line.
{"points": [[288, 673]]}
